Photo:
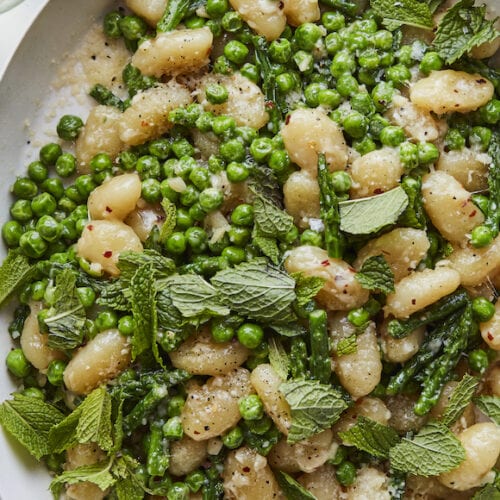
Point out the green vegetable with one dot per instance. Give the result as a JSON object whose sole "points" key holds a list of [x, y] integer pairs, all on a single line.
{"points": [[17, 363], [293, 489], [432, 451], [15, 271], [459, 399], [346, 473], [410, 12], [375, 274], [320, 364], [250, 335], [278, 358], [490, 406], [158, 459], [105, 97]]}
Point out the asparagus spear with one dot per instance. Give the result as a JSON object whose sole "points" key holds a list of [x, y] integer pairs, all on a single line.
{"points": [[144, 408], [175, 11], [435, 312], [320, 348], [104, 96], [157, 459], [329, 210], [298, 358]]}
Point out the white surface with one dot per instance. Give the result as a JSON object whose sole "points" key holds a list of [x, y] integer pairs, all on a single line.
{"points": [[25, 97]]}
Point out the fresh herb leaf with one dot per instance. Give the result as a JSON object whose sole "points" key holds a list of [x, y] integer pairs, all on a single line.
{"points": [[258, 290], [194, 297], [434, 450], [105, 97], [289, 329], [98, 474], [269, 247], [63, 435], [347, 345], [369, 215], [414, 214], [270, 220], [489, 492], [490, 406], [307, 287], [292, 489], [95, 423], [143, 301], [14, 272], [29, 420], [375, 274], [372, 437], [410, 12], [170, 221], [279, 358], [459, 399], [462, 28], [130, 485], [314, 407], [66, 318], [129, 262], [175, 11]]}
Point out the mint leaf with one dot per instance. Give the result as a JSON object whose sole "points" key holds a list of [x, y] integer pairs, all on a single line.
{"points": [[99, 474], [369, 215], [193, 296], [29, 420], [129, 262], [410, 12], [170, 221], [258, 290], [66, 318], [292, 489], [462, 28], [490, 406], [270, 220], [63, 435], [130, 485], [434, 450], [279, 358], [459, 399], [289, 329], [314, 407], [375, 274], [142, 299], [489, 492], [95, 424], [307, 287], [372, 437], [269, 247], [14, 272], [347, 345]]}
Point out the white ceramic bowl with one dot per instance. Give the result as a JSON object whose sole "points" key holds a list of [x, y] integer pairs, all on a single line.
{"points": [[25, 95]]}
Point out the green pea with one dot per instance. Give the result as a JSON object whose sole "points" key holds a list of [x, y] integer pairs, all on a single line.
{"points": [[34, 393], [126, 325], [356, 41], [430, 62], [343, 62], [233, 439], [481, 201], [132, 27], [55, 372], [346, 473], [151, 190], [251, 72], [490, 112], [235, 255], [333, 43], [176, 243], [195, 480], [260, 426], [106, 320], [250, 335], [369, 59], [239, 236], [261, 149], [183, 166], [306, 36], [243, 215], [236, 51], [49, 229], [404, 55], [221, 331], [68, 127], [68, 229], [100, 163], [246, 134], [53, 186], [196, 212], [204, 121], [408, 154], [280, 50], [148, 166], [216, 93], [216, 8], [383, 39], [211, 199], [66, 165], [279, 161], [291, 236], [340, 456], [85, 185], [172, 428], [194, 22], [251, 407], [329, 97], [127, 160], [478, 360], [111, 24], [183, 220], [392, 136], [454, 139], [179, 491], [341, 181], [364, 145], [182, 147], [311, 237], [237, 172], [175, 405], [215, 27], [189, 196], [362, 102], [482, 309], [304, 61], [223, 66], [382, 95], [480, 136], [333, 21], [222, 125], [17, 363], [358, 317], [11, 233], [50, 153], [355, 124], [232, 150], [197, 239], [231, 22], [398, 74], [37, 171], [24, 188], [32, 244], [427, 153], [481, 236]]}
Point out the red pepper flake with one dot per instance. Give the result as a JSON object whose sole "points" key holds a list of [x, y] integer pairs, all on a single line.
{"points": [[413, 301], [481, 80], [490, 336], [90, 227], [474, 212], [325, 263], [287, 119], [108, 254], [270, 104], [144, 123], [378, 191], [246, 469], [108, 209]]}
